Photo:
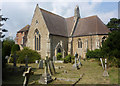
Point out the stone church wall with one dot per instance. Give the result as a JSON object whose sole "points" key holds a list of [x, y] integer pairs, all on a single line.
{"points": [[88, 42], [54, 42], [38, 23]]}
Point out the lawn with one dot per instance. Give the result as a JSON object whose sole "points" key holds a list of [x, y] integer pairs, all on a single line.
{"points": [[91, 69]]}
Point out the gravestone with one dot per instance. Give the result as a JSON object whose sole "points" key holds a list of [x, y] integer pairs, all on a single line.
{"points": [[26, 61], [102, 63], [105, 73], [40, 65], [27, 76], [75, 65], [45, 78], [79, 63], [54, 58], [52, 67]]}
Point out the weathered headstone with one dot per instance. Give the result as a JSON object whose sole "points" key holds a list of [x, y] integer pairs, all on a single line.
{"points": [[79, 63], [54, 59], [27, 76], [105, 73], [45, 78], [52, 67], [75, 64], [40, 65], [102, 63], [26, 61]]}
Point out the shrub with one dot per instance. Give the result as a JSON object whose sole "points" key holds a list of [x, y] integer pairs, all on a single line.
{"points": [[15, 48], [31, 54], [59, 56], [68, 59], [94, 53]]}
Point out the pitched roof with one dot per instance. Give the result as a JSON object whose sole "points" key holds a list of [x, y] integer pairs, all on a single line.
{"points": [[70, 23], [55, 23], [90, 26], [24, 29], [58, 25]]}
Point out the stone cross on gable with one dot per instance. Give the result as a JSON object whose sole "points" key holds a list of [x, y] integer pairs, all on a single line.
{"points": [[27, 76]]}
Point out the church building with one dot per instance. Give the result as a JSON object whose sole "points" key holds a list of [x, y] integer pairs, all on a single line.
{"points": [[50, 33]]}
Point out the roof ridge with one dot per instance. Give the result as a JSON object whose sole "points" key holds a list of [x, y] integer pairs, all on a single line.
{"points": [[50, 12]]}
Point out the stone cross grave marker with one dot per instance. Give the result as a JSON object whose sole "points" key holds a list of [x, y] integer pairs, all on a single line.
{"points": [[47, 76], [26, 61], [52, 67], [102, 63], [27, 76], [105, 73], [40, 65]]}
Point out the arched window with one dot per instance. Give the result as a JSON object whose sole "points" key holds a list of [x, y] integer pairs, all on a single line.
{"points": [[37, 40], [37, 43], [79, 43]]}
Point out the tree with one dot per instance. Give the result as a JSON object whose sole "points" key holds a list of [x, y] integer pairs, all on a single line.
{"points": [[15, 48], [2, 36], [6, 48], [114, 24], [111, 47]]}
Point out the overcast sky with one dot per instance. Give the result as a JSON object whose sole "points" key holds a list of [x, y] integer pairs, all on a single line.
{"points": [[20, 12]]}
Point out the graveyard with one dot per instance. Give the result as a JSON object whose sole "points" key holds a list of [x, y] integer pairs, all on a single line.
{"points": [[91, 72]]}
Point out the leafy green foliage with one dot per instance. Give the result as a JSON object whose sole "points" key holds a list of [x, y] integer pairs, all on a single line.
{"points": [[31, 54], [68, 59], [114, 23], [111, 47], [94, 53], [6, 48], [59, 56], [15, 48]]}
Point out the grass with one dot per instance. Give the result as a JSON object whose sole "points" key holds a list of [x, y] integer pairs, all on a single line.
{"points": [[92, 74]]}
